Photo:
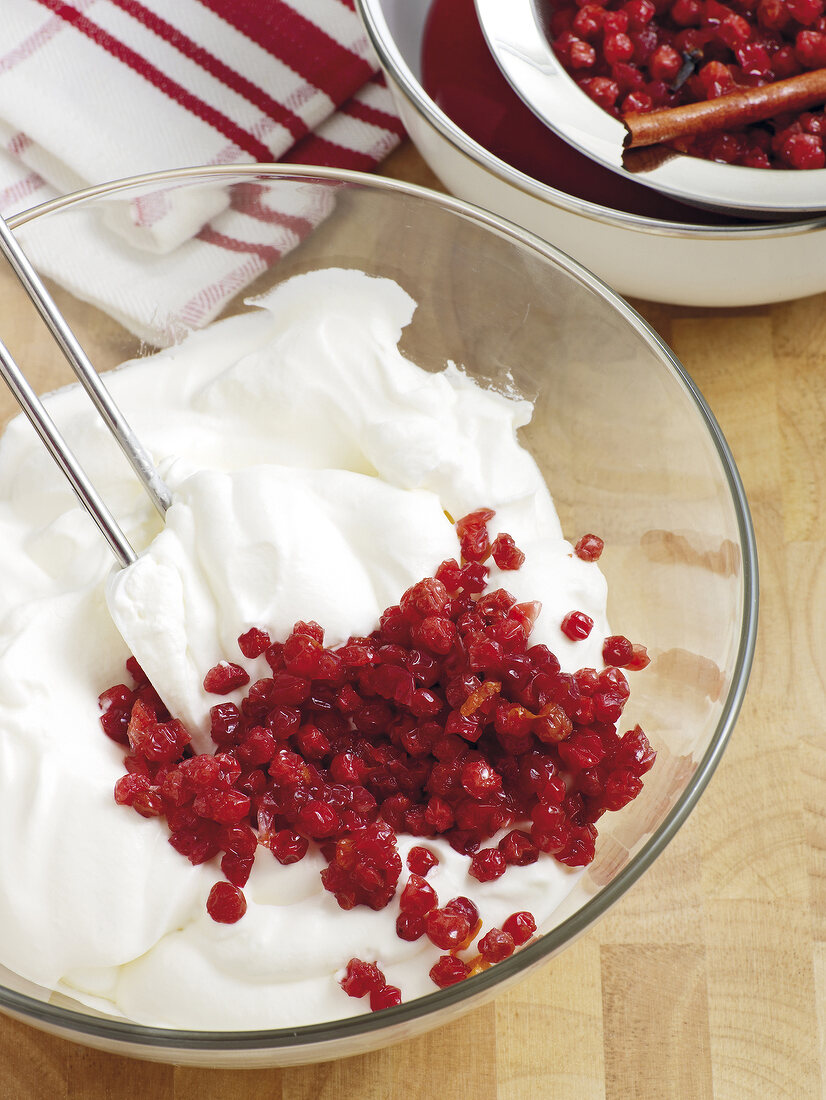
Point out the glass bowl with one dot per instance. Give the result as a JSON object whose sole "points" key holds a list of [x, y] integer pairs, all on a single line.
{"points": [[626, 444], [652, 256]]}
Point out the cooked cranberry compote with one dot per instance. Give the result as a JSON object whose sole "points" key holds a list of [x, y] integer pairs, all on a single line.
{"points": [[640, 55], [444, 722]]}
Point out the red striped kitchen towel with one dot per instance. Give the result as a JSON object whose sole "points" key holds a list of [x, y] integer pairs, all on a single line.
{"points": [[94, 90]]}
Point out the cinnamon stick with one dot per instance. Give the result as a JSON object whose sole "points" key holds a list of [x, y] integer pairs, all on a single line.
{"points": [[726, 112]]}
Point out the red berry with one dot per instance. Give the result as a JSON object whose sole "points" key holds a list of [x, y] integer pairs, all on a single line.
{"points": [[577, 625], [449, 970], [480, 780], [409, 927], [496, 945], [316, 820], [520, 926], [361, 978], [447, 929], [518, 848], [288, 847], [639, 658], [386, 997], [254, 642], [418, 897], [226, 903], [472, 528], [617, 651], [224, 678], [506, 553], [488, 864], [420, 860]]}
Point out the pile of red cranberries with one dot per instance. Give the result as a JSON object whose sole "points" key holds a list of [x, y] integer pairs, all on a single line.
{"points": [[444, 722], [640, 55]]}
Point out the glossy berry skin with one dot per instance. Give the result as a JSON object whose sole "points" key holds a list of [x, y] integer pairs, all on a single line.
{"points": [[506, 553], [520, 926], [420, 860], [447, 929], [361, 978], [496, 945], [386, 997], [224, 678], [226, 904], [418, 897], [449, 970], [488, 864], [577, 625]]}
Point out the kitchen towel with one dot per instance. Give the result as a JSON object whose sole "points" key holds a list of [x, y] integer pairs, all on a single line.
{"points": [[95, 90]]}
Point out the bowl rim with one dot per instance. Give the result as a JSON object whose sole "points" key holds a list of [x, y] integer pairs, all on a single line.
{"points": [[400, 73], [136, 1035]]}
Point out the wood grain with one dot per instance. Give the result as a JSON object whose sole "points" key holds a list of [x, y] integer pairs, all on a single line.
{"points": [[708, 980]]}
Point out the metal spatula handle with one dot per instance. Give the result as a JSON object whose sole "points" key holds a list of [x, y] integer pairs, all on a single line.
{"points": [[87, 375]]}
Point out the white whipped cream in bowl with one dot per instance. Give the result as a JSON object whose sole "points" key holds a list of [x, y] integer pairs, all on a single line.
{"points": [[412, 362]]}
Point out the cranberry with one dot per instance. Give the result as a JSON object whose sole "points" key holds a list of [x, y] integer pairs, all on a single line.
{"points": [[447, 928], [226, 903], [317, 819], [361, 978], [639, 658], [479, 779], [617, 47], [418, 898], [518, 848], [449, 970], [472, 529], [506, 553], [466, 907], [364, 869], [805, 12], [804, 151], [287, 846], [421, 860], [236, 868], [520, 926], [386, 997], [647, 54], [223, 806], [428, 597], [224, 678], [617, 651], [602, 90], [577, 625], [409, 927], [496, 945], [450, 575], [254, 642], [488, 864]]}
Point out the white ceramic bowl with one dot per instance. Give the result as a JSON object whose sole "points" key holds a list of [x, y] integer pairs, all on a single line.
{"points": [[685, 264]]}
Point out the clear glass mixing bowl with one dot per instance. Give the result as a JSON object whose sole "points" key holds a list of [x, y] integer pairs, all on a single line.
{"points": [[628, 447]]}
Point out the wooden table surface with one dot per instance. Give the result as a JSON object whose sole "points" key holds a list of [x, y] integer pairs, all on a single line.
{"points": [[709, 978]]}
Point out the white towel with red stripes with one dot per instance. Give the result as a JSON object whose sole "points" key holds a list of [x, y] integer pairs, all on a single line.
{"points": [[94, 90]]}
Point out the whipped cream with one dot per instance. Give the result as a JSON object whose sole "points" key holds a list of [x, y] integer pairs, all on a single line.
{"points": [[311, 466]]}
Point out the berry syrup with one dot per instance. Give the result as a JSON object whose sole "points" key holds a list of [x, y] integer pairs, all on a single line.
{"points": [[462, 78]]}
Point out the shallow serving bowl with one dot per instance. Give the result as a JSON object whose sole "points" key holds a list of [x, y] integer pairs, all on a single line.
{"points": [[626, 443], [687, 264]]}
